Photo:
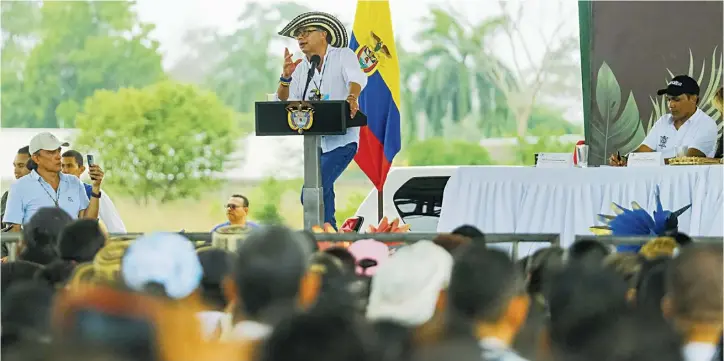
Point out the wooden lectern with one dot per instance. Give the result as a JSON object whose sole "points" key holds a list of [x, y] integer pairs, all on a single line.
{"points": [[311, 119]]}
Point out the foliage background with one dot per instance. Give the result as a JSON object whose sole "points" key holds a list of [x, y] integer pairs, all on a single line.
{"points": [[95, 66]]}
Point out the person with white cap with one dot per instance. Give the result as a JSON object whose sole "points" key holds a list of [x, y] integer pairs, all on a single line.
{"points": [[46, 186], [406, 296], [165, 265], [338, 76]]}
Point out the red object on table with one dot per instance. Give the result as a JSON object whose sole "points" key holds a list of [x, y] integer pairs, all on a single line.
{"points": [[575, 158]]}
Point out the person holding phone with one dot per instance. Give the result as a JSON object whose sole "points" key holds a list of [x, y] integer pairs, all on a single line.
{"points": [[686, 125], [72, 164], [46, 186]]}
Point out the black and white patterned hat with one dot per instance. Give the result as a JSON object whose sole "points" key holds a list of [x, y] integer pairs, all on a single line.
{"points": [[326, 21]]}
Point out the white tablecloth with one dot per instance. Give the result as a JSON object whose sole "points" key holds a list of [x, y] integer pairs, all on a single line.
{"points": [[567, 200]]}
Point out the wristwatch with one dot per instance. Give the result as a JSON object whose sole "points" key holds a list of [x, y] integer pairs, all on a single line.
{"points": [[96, 195]]}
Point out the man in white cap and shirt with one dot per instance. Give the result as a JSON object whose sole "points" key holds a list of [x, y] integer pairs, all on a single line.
{"points": [[46, 186]]}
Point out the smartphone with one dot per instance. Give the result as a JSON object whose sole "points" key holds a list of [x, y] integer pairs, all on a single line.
{"points": [[90, 162]]}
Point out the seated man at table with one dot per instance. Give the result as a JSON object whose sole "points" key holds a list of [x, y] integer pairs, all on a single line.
{"points": [[685, 126]]}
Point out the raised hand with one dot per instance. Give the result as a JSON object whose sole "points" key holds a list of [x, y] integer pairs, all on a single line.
{"points": [[289, 64], [96, 174]]}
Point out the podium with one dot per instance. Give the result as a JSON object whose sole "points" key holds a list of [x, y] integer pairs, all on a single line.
{"points": [[311, 120]]}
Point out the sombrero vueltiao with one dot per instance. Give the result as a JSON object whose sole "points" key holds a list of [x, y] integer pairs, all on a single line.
{"points": [[326, 21]]}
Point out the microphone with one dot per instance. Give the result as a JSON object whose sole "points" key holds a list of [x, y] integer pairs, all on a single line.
{"points": [[314, 61]]}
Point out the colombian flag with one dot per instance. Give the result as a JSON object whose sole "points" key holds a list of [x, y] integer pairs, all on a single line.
{"points": [[374, 43]]}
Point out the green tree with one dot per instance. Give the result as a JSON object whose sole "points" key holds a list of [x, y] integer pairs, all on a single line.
{"points": [[439, 151], [525, 151], [166, 141], [452, 83], [351, 205], [77, 48], [523, 89], [270, 199], [248, 69], [547, 121]]}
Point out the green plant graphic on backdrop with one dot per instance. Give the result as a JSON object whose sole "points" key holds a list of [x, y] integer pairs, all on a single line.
{"points": [[706, 95], [613, 128]]}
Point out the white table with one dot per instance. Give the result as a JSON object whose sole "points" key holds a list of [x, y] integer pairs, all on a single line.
{"points": [[567, 200]]}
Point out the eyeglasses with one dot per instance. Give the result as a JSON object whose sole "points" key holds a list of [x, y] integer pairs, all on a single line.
{"points": [[233, 206], [303, 33]]}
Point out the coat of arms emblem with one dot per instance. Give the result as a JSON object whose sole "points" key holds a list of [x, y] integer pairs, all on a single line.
{"points": [[369, 55], [300, 116]]}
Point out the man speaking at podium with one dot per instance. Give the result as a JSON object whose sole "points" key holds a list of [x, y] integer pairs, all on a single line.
{"points": [[335, 75]]}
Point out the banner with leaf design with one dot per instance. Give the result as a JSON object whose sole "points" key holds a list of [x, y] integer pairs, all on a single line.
{"points": [[629, 50]]}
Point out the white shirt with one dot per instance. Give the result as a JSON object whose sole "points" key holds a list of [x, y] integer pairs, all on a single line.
{"points": [[249, 331], [496, 350], [698, 351], [213, 322], [339, 68], [109, 215], [698, 132]]}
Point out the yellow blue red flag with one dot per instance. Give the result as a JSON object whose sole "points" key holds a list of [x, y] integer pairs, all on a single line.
{"points": [[374, 43]]}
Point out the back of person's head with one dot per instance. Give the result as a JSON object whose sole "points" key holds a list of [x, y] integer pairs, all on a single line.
{"points": [[26, 309], [336, 283], [107, 262], [81, 240], [319, 336], [64, 351], [162, 264], [682, 239], [40, 235], [16, 272], [626, 265], [581, 300], [588, 252], [406, 289], [630, 337], [472, 232], [694, 285], [56, 274], [308, 236], [394, 340], [486, 286], [125, 323], [659, 247], [341, 253], [452, 242], [269, 268], [216, 264], [541, 266], [651, 288]]}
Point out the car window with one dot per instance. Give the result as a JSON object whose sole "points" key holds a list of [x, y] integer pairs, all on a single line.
{"points": [[419, 202]]}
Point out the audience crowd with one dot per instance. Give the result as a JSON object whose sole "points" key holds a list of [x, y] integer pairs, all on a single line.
{"points": [[73, 293]]}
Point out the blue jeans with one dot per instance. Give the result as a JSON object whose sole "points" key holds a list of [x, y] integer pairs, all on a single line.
{"points": [[333, 163]]}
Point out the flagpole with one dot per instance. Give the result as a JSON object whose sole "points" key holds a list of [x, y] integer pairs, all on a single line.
{"points": [[380, 205]]}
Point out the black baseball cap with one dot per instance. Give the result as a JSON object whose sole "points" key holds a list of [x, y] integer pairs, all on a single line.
{"points": [[681, 84]]}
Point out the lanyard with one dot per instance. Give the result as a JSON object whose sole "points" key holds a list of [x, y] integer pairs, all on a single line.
{"points": [[57, 194]]}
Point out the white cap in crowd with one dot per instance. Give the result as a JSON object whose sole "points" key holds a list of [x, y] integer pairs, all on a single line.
{"points": [[406, 287], [168, 259], [45, 141]]}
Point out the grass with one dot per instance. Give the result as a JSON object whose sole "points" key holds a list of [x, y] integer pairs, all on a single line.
{"points": [[203, 214]]}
